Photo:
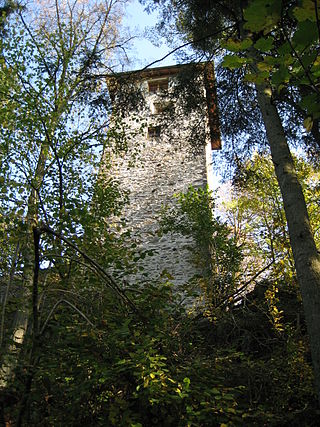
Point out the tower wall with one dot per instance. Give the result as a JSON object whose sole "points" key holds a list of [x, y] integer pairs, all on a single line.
{"points": [[158, 164]]}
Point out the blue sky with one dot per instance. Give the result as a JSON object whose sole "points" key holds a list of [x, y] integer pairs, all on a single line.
{"points": [[143, 51]]}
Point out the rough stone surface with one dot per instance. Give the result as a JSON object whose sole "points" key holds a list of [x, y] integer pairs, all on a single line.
{"points": [[153, 170]]}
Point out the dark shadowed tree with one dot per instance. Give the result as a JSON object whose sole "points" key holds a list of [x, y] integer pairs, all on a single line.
{"points": [[274, 45]]}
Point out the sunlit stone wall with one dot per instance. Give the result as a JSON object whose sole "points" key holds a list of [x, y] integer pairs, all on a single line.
{"points": [[157, 165]]}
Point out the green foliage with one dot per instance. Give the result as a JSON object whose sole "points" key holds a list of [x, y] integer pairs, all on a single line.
{"points": [[55, 112], [126, 371], [159, 365], [273, 43], [256, 214], [289, 31], [232, 62], [262, 15], [217, 254], [237, 45], [107, 354], [167, 368]]}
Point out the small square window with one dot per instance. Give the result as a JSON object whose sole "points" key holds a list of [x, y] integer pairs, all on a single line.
{"points": [[159, 85], [154, 132]]}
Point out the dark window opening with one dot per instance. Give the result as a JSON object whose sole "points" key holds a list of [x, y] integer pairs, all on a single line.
{"points": [[154, 132], [158, 85]]}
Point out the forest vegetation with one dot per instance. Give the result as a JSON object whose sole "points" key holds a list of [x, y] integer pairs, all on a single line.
{"points": [[79, 345]]}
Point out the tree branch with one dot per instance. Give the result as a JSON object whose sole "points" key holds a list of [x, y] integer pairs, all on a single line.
{"points": [[54, 308], [237, 292], [110, 281]]}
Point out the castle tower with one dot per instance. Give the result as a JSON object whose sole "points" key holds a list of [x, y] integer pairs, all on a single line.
{"points": [[171, 128]]}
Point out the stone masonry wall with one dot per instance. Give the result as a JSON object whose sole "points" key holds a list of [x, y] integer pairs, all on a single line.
{"points": [[163, 166]]}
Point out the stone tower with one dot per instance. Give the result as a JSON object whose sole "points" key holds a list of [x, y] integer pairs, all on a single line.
{"points": [[158, 121]]}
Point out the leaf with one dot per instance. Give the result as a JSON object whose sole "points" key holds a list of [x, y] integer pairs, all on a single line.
{"points": [[284, 48], [254, 16], [315, 69], [308, 123], [305, 12], [280, 76], [257, 77], [186, 381], [262, 15], [310, 103], [264, 66], [268, 91], [307, 33], [264, 44], [308, 59], [232, 61], [235, 45]]}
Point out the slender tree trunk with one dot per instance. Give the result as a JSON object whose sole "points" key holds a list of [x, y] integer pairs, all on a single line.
{"points": [[33, 358], [7, 291], [21, 318], [306, 257]]}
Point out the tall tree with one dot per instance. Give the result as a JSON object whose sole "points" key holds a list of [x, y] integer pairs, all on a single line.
{"points": [[54, 120], [255, 31]]}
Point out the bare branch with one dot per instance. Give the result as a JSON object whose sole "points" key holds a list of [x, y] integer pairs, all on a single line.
{"points": [[54, 308], [243, 287], [110, 281]]}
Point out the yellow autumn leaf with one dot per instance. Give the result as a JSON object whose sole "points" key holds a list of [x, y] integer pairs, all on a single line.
{"points": [[308, 123], [263, 66], [268, 91]]}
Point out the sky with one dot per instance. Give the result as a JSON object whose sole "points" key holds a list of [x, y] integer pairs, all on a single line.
{"points": [[143, 51]]}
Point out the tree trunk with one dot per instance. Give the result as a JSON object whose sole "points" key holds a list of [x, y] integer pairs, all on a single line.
{"points": [[21, 318], [306, 257]]}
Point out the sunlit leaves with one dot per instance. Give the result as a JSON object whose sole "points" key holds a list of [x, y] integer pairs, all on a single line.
{"points": [[233, 61], [235, 45], [257, 203], [54, 119], [308, 123], [55, 108], [193, 217], [284, 49]]}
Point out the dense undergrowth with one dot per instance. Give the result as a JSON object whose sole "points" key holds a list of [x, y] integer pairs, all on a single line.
{"points": [[236, 354], [165, 367]]}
